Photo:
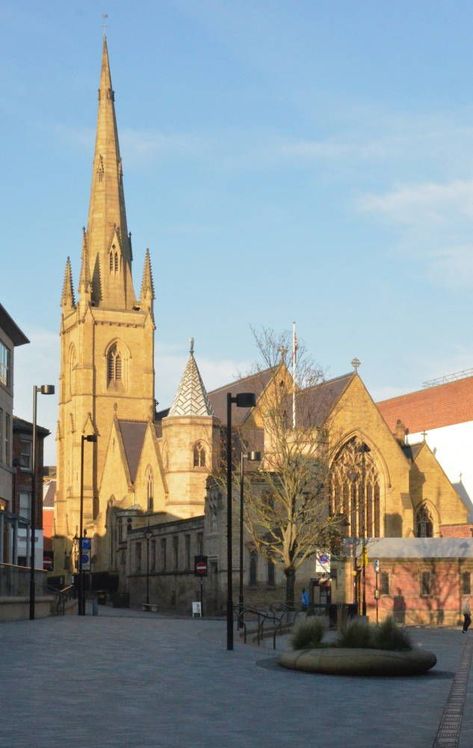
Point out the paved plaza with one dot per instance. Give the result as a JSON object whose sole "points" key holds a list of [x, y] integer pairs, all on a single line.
{"points": [[126, 678]]}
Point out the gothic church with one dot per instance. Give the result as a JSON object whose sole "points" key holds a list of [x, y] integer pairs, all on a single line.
{"points": [[158, 464]]}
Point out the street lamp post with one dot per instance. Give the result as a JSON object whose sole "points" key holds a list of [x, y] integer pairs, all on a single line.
{"points": [[83, 438], [43, 389], [364, 448], [148, 535], [242, 400], [251, 457]]}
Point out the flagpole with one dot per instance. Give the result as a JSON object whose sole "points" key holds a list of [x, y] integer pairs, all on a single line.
{"points": [[294, 375]]}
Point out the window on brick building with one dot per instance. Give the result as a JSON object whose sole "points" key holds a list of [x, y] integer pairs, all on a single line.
{"points": [[25, 454], [25, 504], [426, 583], [466, 583], [384, 583]]}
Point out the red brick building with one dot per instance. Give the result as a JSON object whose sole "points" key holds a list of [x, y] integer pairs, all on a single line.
{"points": [[421, 581], [22, 488]]}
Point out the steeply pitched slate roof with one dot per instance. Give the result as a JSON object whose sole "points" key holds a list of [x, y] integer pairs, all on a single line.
{"points": [[418, 548], [412, 450], [49, 495], [133, 434], [191, 397], [465, 498], [431, 407], [254, 383], [314, 404]]}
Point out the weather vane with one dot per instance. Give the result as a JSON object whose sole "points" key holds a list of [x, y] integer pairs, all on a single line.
{"points": [[104, 22]]}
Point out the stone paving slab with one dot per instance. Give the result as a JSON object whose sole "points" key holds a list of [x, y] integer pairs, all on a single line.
{"points": [[126, 678]]}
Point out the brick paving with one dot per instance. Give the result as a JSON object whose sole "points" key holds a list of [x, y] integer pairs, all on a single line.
{"points": [[127, 678]]}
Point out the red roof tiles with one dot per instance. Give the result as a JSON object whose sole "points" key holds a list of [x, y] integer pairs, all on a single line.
{"points": [[432, 407]]}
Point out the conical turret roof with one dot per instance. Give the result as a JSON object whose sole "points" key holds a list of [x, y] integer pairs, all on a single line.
{"points": [[191, 397]]}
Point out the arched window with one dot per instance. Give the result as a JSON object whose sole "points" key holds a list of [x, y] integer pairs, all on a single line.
{"points": [[149, 489], [114, 260], [114, 365], [424, 523], [355, 489], [199, 455]]}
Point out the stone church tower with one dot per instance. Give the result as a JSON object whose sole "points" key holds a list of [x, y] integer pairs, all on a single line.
{"points": [[107, 336]]}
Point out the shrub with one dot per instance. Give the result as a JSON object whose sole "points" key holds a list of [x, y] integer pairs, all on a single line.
{"points": [[390, 636], [308, 634], [356, 634]]}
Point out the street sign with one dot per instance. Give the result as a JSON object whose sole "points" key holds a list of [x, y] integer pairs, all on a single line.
{"points": [[200, 566], [322, 563], [86, 544], [85, 560], [376, 565]]}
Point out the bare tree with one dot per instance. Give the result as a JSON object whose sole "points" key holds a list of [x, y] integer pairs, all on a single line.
{"points": [[286, 503]]}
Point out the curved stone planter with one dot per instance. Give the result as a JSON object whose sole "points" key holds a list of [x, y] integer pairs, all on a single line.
{"points": [[345, 661]]}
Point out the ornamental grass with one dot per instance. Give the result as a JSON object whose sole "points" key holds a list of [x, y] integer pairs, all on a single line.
{"points": [[387, 636], [308, 634]]}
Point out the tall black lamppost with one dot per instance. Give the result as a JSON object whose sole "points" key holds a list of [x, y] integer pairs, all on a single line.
{"points": [[251, 457], [43, 389], [363, 448], [242, 400], [83, 438], [148, 536]]}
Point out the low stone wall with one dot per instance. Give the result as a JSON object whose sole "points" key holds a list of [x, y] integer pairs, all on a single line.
{"points": [[18, 608]]}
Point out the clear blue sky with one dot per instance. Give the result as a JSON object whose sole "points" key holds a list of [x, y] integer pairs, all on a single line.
{"points": [[283, 160]]}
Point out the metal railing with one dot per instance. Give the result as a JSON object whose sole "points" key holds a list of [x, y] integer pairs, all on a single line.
{"points": [[15, 581], [277, 619], [62, 596]]}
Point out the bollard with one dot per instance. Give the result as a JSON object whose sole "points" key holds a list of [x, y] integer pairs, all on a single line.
{"points": [[95, 607]]}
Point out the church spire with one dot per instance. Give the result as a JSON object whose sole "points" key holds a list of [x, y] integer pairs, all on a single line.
{"points": [[107, 232], [191, 397], [67, 297]]}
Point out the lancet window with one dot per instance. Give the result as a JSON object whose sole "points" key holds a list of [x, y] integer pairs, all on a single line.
{"points": [[114, 365], [199, 455], [114, 260], [355, 489], [424, 523]]}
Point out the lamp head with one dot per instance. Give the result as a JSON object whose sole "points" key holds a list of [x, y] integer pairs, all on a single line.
{"points": [[46, 389], [245, 400], [90, 438]]}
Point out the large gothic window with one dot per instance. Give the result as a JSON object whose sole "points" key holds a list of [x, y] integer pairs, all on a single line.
{"points": [[114, 365], [424, 523], [355, 489]]}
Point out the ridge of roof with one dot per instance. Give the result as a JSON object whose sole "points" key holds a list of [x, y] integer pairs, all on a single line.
{"points": [[263, 372]]}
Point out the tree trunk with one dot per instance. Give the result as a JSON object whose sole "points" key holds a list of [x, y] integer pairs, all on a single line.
{"points": [[290, 583]]}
